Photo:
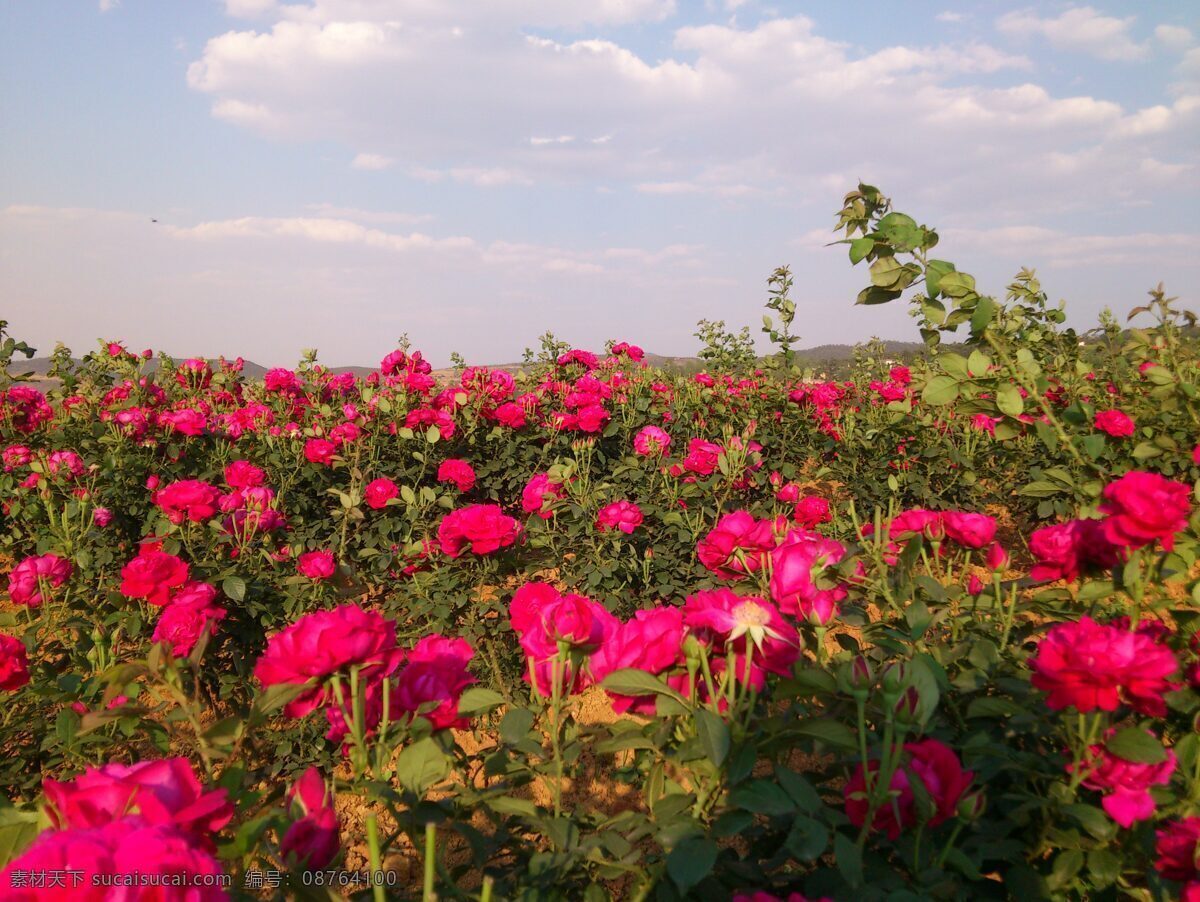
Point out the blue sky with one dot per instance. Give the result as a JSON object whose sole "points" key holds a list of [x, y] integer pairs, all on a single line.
{"points": [[334, 173]]}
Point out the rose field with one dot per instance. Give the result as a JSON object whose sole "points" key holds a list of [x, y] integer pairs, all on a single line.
{"points": [[592, 629]]}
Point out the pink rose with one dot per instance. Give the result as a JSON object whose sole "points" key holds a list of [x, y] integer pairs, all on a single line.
{"points": [[152, 575], [320, 451], [651, 441], [942, 777], [379, 492], [112, 858], [1125, 784], [14, 663], [323, 643], [1115, 423], [316, 564], [737, 545], [480, 528], [1089, 666], [539, 494], [190, 614], [1142, 508], [29, 579], [623, 515], [458, 472], [188, 499], [159, 791], [801, 583]]}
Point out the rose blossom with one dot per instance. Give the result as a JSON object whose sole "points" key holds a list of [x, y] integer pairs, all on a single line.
{"points": [[1177, 844], [800, 582], [241, 474], [941, 774], [480, 528], [191, 612], [458, 472], [320, 451], [1064, 550], [1142, 508], [152, 575], [1115, 423], [651, 641], [27, 579], [746, 625], [14, 663], [316, 564], [811, 511], [623, 515], [188, 499], [651, 441], [159, 791], [436, 675], [379, 492], [1089, 666], [313, 839], [737, 545], [539, 493], [323, 643], [542, 618], [1125, 784], [112, 859]]}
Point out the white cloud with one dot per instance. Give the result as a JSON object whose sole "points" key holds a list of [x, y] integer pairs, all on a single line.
{"points": [[343, 283], [468, 94], [949, 16], [372, 162], [109, 5], [1175, 37], [1081, 28]]}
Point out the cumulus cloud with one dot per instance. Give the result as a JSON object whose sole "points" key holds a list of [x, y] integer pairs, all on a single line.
{"points": [[475, 95], [372, 162], [1080, 28], [1175, 37]]}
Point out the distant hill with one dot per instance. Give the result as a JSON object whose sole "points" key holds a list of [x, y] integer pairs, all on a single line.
{"points": [[819, 355]]}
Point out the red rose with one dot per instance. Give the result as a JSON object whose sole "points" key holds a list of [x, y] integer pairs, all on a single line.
{"points": [[1115, 423], [152, 575], [14, 663], [458, 472], [159, 791], [481, 528], [1089, 666], [380, 491], [941, 774], [316, 564], [188, 499], [1143, 508]]}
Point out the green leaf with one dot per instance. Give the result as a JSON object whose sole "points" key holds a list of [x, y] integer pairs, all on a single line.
{"points": [[807, 839], [849, 859], [829, 731], [935, 270], [1009, 400], [421, 765], [859, 248], [631, 681], [940, 391], [978, 364], [234, 587], [691, 861], [1136, 745], [17, 830], [901, 231], [876, 295], [477, 700], [714, 735]]}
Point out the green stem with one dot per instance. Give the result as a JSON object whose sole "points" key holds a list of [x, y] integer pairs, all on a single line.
{"points": [[376, 861]]}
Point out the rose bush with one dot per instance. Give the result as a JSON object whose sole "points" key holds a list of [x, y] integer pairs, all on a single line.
{"points": [[595, 628]]}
